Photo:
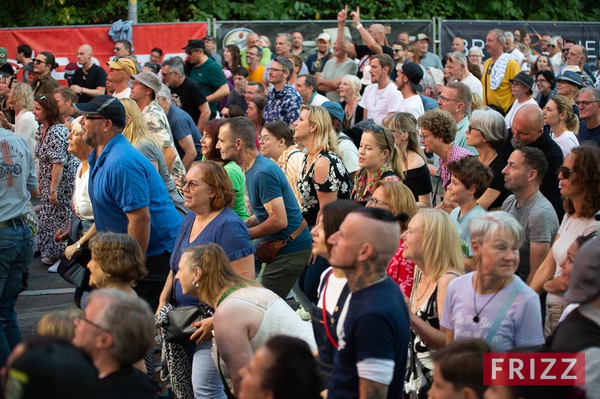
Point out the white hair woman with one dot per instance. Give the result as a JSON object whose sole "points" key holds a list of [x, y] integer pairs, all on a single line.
{"points": [[350, 95]]}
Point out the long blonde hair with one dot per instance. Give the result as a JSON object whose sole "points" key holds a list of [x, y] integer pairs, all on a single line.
{"points": [[217, 272], [136, 129], [325, 137], [441, 244], [401, 199]]}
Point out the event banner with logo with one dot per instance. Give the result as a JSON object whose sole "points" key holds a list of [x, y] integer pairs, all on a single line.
{"points": [[235, 32], [63, 41], [474, 32]]}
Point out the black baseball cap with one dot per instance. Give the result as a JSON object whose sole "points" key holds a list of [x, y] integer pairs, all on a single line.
{"points": [[107, 106], [194, 44]]}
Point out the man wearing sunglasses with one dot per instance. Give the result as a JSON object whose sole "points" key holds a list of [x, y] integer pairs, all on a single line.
{"points": [[122, 49], [43, 65], [207, 73]]}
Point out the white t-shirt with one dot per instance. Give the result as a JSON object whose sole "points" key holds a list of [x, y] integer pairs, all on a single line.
{"points": [[380, 103], [349, 152], [566, 141], [474, 84], [517, 55], [124, 94], [334, 290], [413, 105], [318, 99], [569, 230], [513, 110]]}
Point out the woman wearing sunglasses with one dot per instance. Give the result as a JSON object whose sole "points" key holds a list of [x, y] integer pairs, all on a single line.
{"points": [[580, 187], [379, 159]]}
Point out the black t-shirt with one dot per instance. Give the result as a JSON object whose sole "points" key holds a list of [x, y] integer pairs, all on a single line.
{"points": [[90, 79], [127, 383], [364, 53], [189, 97], [497, 165]]}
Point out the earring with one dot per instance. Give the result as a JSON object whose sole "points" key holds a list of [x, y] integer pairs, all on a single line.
{"points": [[195, 283]]}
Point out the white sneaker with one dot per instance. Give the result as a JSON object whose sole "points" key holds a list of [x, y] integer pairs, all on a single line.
{"points": [[54, 267]]}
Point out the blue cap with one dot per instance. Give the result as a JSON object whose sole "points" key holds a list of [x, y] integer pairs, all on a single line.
{"points": [[334, 110]]}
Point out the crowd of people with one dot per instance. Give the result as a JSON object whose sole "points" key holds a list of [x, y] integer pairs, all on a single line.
{"points": [[422, 210]]}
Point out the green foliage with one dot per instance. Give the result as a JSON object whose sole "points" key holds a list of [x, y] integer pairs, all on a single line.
{"points": [[81, 12]]}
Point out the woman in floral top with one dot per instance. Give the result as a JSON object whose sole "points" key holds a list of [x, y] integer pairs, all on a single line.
{"points": [[277, 142], [323, 179], [379, 159]]}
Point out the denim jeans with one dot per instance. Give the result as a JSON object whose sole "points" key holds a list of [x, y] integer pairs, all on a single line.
{"points": [[16, 253], [205, 376]]}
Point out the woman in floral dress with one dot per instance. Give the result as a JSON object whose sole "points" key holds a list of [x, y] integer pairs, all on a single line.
{"points": [[57, 169], [323, 178]]}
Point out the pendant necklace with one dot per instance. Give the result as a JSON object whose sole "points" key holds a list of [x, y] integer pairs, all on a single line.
{"points": [[478, 312]]}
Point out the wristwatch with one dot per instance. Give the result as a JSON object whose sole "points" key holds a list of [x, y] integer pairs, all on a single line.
{"points": [[78, 246]]}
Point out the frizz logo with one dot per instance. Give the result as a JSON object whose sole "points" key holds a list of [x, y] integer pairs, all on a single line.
{"points": [[534, 369]]}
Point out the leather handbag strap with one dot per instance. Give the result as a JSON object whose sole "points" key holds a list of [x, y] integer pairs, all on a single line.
{"points": [[299, 230]]}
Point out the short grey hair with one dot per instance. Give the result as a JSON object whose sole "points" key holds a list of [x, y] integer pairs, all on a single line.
{"points": [[508, 34], [464, 94], [164, 92], [491, 124], [476, 49], [175, 64], [500, 33], [287, 36], [130, 322], [595, 92], [458, 57], [494, 224]]}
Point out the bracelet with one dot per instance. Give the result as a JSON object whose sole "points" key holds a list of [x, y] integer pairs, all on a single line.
{"points": [[53, 191], [358, 26], [81, 92]]}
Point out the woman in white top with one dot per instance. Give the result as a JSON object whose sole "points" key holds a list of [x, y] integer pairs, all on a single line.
{"points": [[559, 115], [580, 186], [521, 87], [276, 141], [21, 100]]}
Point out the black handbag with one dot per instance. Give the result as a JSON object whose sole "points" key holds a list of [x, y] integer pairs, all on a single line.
{"points": [[179, 328], [75, 271]]}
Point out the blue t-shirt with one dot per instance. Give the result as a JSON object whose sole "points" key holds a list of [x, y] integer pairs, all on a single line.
{"points": [[122, 180], [376, 327], [227, 230], [589, 135], [183, 125], [265, 181]]}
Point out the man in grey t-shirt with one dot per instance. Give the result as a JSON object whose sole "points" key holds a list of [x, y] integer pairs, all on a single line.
{"points": [[523, 175]]}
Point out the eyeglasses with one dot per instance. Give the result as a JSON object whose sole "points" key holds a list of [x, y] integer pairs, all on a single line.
{"points": [[93, 118], [91, 323], [192, 185], [37, 61], [583, 104], [264, 139], [566, 172], [275, 70], [425, 136], [540, 81], [377, 202], [167, 73], [190, 52], [118, 48], [446, 99], [472, 128], [225, 116], [397, 50], [565, 50]]}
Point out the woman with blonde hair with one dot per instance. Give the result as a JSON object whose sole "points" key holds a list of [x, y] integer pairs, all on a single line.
{"points": [[414, 164], [559, 115], [21, 101], [349, 97], [398, 199], [432, 243], [323, 177], [379, 159], [136, 131], [58, 324], [246, 314]]}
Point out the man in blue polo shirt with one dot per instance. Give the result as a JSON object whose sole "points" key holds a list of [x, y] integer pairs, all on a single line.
{"points": [[127, 193]]}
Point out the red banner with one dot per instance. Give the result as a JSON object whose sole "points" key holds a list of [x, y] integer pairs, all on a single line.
{"points": [[64, 41]]}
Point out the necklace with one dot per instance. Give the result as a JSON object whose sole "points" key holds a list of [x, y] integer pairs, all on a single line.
{"points": [[478, 312], [424, 292], [487, 162]]}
